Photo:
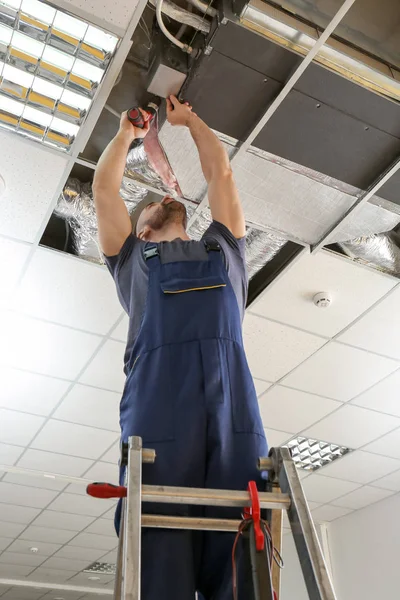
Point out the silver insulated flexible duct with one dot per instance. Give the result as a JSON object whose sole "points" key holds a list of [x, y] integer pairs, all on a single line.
{"points": [[380, 251]]}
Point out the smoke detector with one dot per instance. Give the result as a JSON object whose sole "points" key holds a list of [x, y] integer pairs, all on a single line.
{"points": [[322, 299]]}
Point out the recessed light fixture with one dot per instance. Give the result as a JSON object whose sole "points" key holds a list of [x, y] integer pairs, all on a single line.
{"points": [[51, 63], [102, 567], [310, 454], [94, 578]]}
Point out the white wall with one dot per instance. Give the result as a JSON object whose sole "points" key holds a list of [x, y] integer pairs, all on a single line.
{"points": [[292, 585], [365, 552]]}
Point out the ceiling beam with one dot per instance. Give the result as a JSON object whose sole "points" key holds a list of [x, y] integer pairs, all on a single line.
{"points": [[359, 203], [289, 85]]}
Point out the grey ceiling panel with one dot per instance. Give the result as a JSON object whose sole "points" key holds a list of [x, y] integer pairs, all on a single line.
{"points": [[344, 95], [229, 96], [255, 52], [391, 189], [329, 141]]}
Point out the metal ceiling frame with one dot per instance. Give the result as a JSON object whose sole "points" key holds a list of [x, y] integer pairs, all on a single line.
{"points": [[289, 85], [364, 197], [361, 200]]}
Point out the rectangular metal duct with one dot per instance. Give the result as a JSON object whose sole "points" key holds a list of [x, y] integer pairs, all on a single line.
{"points": [[279, 195]]}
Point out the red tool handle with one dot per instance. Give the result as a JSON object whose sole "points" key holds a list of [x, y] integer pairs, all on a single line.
{"points": [[255, 513], [106, 490], [135, 117]]}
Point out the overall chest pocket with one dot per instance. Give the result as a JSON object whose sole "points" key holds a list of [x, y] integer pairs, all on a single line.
{"points": [[181, 285]]}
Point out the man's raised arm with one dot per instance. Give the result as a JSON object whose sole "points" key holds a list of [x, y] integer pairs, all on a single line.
{"points": [[112, 216], [223, 196]]}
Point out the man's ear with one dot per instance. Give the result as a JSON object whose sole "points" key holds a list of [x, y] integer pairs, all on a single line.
{"points": [[144, 233]]}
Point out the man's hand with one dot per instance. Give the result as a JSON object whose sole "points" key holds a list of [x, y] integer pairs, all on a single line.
{"points": [[178, 113], [129, 131]]}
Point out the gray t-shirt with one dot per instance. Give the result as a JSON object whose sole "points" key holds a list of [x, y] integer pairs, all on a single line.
{"points": [[130, 271]]}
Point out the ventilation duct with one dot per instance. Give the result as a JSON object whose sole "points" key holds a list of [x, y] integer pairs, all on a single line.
{"points": [[380, 251]]}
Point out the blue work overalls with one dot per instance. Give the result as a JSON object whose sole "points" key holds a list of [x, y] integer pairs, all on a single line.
{"points": [[190, 395]]}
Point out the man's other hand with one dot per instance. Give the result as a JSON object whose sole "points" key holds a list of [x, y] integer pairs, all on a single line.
{"points": [[178, 113], [129, 131]]}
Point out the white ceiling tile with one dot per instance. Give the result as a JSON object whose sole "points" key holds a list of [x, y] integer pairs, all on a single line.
{"points": [[49, 291], [83, 579], [384, 396], [77, 440], [9, 454], [102, 471], [10, 269], [18, 514], [25, 496], [118, 14], [110, 514], [11, 571], [81, 505], [340, 372], [53, 462], [352, 288], [110, 557], [66, 594], [63, 352], [47, 534], [361, 467], [10, 530], [4, 542], [318, 488], [389, 482], [329, 513], [352, 426], [20, 593], [106, 369], [290, 410], [121, 331], [18, 428], [273, 349], [29, 392], [66, 564], [51, 575], [91, 540], [362, 497], [75, 553], [113, 454], [379, 329], [101, 527], [43, 549], [49, 518], [90, 406], [16, 558], [261, 386], [46, 483], [29, 190], [388, 445], [276, 438]]}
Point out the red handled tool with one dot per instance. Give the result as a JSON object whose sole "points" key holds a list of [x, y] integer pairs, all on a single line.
{"points": [[135, 117], [106, 490], [254, 512]]}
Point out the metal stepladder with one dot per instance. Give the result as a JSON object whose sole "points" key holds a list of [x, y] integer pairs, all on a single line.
{"points": [[289, 496]]}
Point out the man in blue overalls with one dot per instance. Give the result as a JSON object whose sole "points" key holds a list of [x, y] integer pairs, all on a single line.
{"points": [[189, 392]]}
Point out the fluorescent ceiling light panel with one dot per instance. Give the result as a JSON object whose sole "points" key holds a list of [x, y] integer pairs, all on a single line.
{"points": [[51, 65], [350, 62], [104, 568], [310, 455]]}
